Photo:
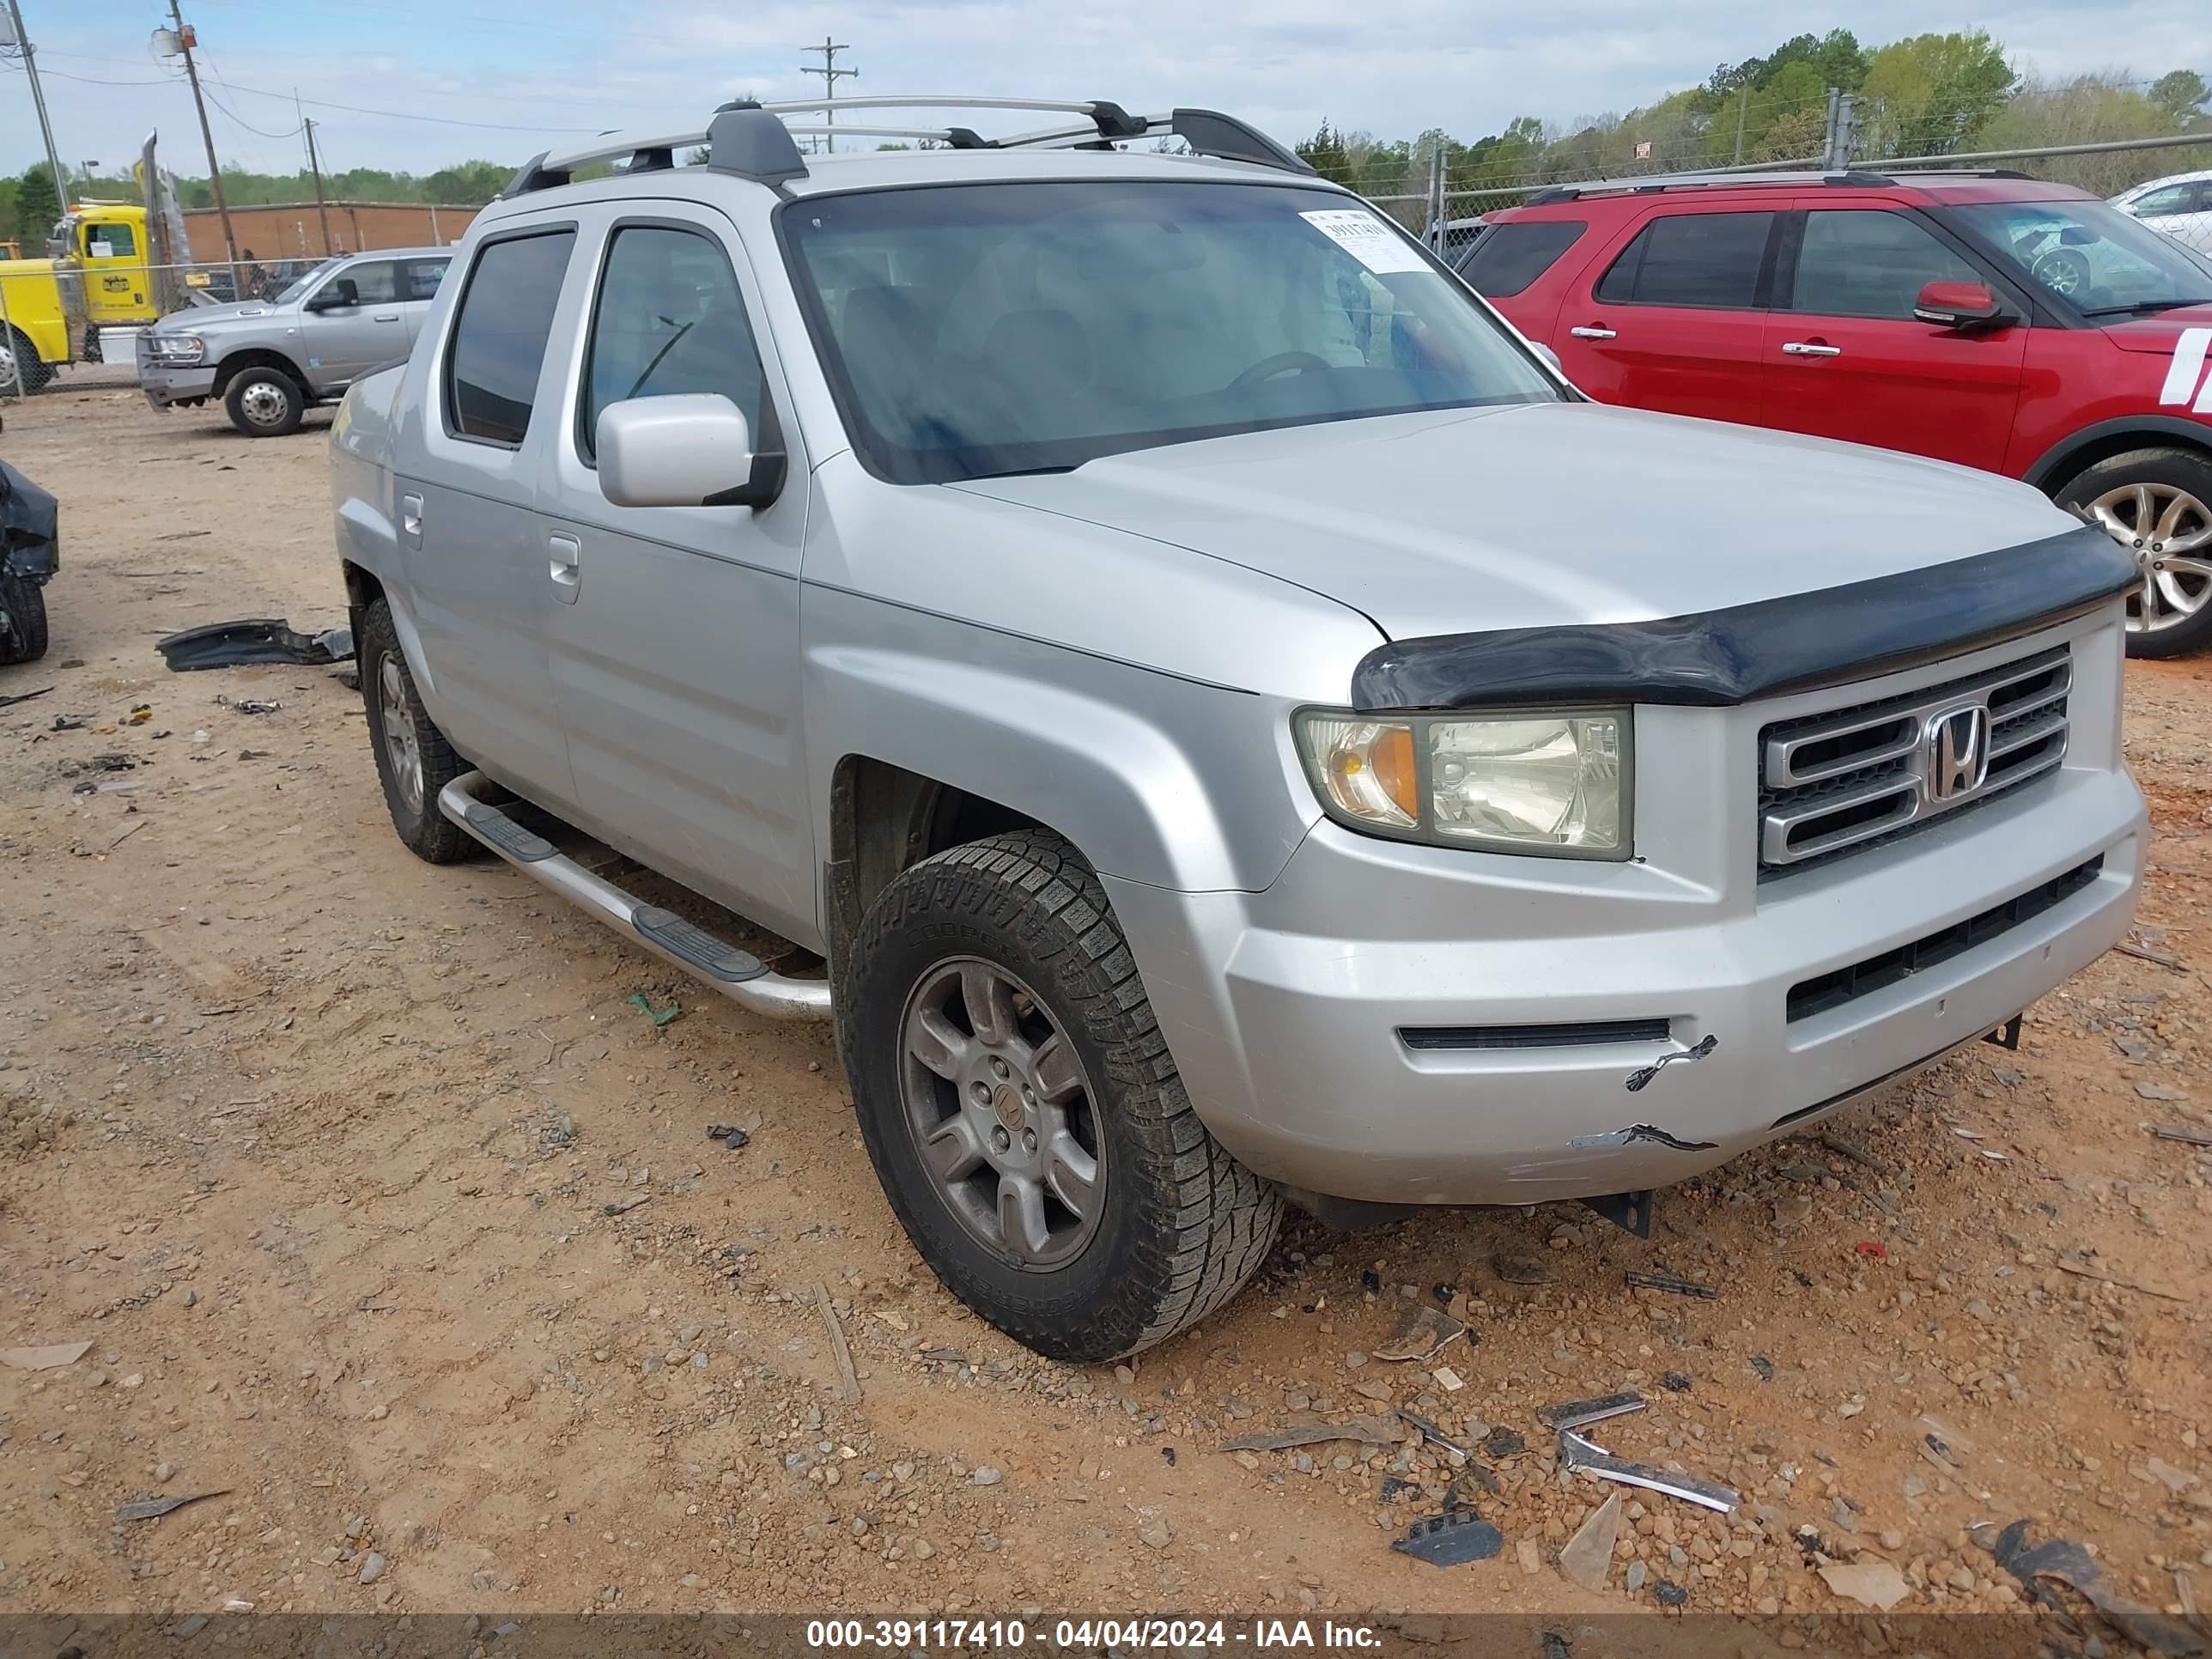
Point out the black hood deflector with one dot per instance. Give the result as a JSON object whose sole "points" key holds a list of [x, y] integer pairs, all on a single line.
{"points": [[1793, 643]]}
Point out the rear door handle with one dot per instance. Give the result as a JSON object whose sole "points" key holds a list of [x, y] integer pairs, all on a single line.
{"points": [[564, 564], [1592, 331], [410, 520], [1810, 348]]}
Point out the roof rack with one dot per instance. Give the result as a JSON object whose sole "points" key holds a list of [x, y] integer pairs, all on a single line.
{"points": [[753, 141], [1723, 178]]}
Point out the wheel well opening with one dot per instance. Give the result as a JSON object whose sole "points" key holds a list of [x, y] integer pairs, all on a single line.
{"points": [[884, 818], [363, 590], [239, 361], [2117, 443]]}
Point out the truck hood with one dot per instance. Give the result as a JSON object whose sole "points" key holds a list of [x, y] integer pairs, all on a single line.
{"points": [[197, 318], [1546, 515], [2159, 334]]}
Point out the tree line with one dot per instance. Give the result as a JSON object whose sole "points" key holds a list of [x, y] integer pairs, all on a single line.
{"points": [[1926, 94]]}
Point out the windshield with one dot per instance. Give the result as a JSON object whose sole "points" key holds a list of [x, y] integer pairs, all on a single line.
{"points": [[978, 330], [299, 285], [2095, 258]]}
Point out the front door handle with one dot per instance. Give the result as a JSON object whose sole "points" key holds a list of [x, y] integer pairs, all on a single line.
{"points": [[1810, 348], [1592, 331], [410, 520], [564, 564], [387, 317]]}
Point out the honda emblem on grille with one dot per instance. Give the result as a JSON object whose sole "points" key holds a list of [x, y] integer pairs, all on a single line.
{"points": [[1958, 752]]}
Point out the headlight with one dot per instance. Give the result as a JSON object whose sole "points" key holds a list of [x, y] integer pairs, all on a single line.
{"points": [[179, 348], [1526, 781]]}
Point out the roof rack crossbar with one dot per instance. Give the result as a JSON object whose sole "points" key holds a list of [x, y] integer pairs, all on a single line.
{"points": [[751, 139]]}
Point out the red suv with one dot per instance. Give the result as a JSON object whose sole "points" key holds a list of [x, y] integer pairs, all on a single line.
{"points": [[2025, 328]]}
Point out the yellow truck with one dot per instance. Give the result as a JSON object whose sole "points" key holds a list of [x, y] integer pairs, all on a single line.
{"points": [[98, 275]]}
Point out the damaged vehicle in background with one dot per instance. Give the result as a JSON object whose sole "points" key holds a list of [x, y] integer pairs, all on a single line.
{"points": [[1038, 581], [30, 554]]}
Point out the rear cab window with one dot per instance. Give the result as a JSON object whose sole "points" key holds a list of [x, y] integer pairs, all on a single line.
{"points": [[1711, 261], [1514, 254], [500, 331]]}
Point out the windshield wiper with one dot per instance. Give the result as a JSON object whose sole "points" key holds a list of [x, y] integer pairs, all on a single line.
{"points": [[2145, 307]]}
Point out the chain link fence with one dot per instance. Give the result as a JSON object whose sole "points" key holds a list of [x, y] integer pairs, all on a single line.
{"points": [[84, 319]]}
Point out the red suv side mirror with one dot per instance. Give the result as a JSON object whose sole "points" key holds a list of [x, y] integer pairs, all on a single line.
{"points": [[1960, 305]]}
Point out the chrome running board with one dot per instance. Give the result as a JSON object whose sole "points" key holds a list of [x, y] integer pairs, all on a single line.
{"points": [[738, 974]]}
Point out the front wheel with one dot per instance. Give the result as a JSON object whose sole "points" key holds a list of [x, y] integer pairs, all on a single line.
{"points": [[265, 403], [37, 373], [1023, 1112], [2157, 504]]}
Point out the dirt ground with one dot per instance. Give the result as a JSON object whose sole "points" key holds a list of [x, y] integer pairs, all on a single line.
{"points": [[334, 1158]]}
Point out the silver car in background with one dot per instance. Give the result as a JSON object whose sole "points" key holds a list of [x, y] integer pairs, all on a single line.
{"points": [[267, 361], [2181, 206]]}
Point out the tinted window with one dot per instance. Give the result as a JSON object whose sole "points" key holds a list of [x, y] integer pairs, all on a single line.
{"points": [[120, 243], [424, 277], [499, 337], [1692, 260], [1870, 264], [670, 320], [973, 330], [375, 282], [1515, 254]]}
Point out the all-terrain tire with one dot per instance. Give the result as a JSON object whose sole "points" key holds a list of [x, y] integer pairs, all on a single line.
{"points": [[387, 686], [2173, 480], [265, 403], [25, 603], [1183, 1224]]}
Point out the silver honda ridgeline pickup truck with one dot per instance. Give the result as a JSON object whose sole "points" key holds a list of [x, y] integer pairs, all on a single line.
{"points": [[1235, 726]]}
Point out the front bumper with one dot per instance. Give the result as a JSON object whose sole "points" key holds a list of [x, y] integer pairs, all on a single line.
{"points": [[164, 385], [1285, 1009]]}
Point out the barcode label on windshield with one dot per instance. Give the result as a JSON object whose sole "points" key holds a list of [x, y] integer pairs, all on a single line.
{"points": [[1367, 240]]}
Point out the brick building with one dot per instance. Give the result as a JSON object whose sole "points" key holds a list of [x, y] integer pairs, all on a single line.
{"points": [[292, 230]]}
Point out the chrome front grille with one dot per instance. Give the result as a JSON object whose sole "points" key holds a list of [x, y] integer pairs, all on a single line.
{"points": [[1834, 782]]}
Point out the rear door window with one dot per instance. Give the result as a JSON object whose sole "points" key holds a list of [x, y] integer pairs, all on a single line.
{"points": [[1512, 255], [424, 277], [1711, 260], [499, 336]]}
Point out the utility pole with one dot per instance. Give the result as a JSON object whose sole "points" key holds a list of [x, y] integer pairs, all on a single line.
{"points": [[39, 102], [207, 134], [830, 73], [315, 167], [1742, 109]]}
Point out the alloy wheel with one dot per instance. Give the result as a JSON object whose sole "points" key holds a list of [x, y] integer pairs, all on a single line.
{"points": [[1001, 1112], [2168, 532], [402, 743]]}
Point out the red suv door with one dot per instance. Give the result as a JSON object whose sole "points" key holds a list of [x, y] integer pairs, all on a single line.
{"points": [[1845, 357], [1671, 314]]}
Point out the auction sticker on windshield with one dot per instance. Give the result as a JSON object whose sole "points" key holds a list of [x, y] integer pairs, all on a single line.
{"points": [[1367, 240]]}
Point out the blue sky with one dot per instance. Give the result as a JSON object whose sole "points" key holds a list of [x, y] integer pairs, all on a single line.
{"points": [[527, 73]]}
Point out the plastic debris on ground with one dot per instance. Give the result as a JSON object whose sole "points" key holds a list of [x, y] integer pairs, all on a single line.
{"points": [[1451, 1540], [660, 1017], [729, 1134], [254, 640]]}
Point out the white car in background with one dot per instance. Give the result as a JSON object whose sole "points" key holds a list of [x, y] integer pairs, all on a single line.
{"points": [[2181, 206]]}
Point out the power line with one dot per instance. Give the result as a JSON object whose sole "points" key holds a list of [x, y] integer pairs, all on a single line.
{"points": [[324, 103]]}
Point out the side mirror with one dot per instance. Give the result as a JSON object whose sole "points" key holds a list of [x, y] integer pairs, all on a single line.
{"points": [[693, 450], [1548, 355], [1959, 306], [334, 295]]}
